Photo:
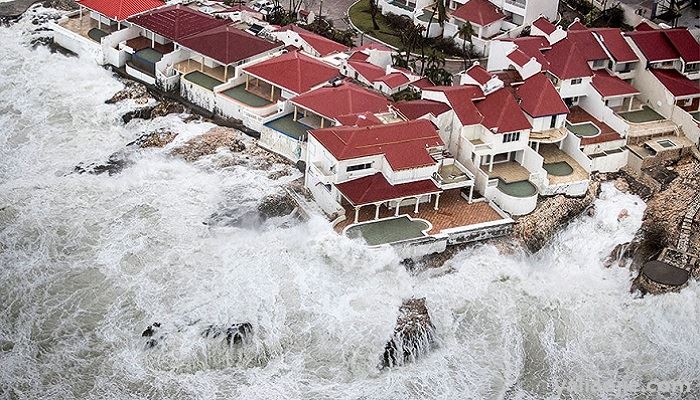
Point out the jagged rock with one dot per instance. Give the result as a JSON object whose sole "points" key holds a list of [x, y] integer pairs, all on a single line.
{"points": [[139, 113], [279, 174], [166, 107], [159, 138], [114, 165], [209, 143], [551, 215], [301, 166], [621, 185], [132, 90], [624, 213], [234, 334], [151, 343], [413, 336], [66, 5], [151, 330], [276, 205], [6, 346]]}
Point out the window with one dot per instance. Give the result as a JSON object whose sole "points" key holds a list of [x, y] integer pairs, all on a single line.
{"points": [[692, 68], [511, 137], [553, 122], [359, 167], [576, 81], [599, 63]]}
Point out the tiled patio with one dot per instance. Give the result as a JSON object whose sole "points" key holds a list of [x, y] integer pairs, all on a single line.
{"points": [[139, 43], [607, 134], [83, 25], [552, 154], [454, 211], [508, 172], [188, 66]]}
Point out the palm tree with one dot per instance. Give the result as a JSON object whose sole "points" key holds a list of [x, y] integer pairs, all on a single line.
{"points": [[465, 32], [373, 9]]}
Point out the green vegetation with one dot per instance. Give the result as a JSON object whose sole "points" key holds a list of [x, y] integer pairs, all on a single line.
{"points": [[361, 17]]}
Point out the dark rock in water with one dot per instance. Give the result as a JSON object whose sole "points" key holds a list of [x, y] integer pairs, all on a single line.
{"points": [[209, 143], [151, 343], [301, 166], [6, 346], [166, 107], [114, 165], [236, 333], [151, 330], [413, 336], [132, 90], [66, 5], [139, 113], [276, 205], [159, 138]]}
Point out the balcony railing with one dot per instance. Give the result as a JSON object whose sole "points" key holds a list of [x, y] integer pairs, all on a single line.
{"points": [[517, 3]]}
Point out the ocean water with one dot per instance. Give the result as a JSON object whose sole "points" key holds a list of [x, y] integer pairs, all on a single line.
{"points": [[87, 262]]}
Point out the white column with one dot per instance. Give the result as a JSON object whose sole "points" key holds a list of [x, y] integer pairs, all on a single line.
{"points": [[471, 193], [629, 108], [490, 165], [357, 214], [415, 210], [376, 212], [247, 81], [296, 112], [437, 201], [398, 207]]}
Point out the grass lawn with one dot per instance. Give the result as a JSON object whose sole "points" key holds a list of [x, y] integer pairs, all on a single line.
{"points": [[362, 19]]}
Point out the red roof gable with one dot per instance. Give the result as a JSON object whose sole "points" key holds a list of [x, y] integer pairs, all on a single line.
{"points": [[393, 80], [359, 119], [684, 43], [676, 83], [461, 99], [519, 58], [358, 56], [480, 12], [532, 47], [293, 71], [644, 26], [120, 10], [403, 144], [423, 83], [577, 26], [347, 98], [539, 98], [544, 25], [587, 44], [479, 74], [369, 71], [608, 85], [616, 45], [566, 61], [177, 22], [322, 45], [655, 45], [502, 113], [375, 188], [227, 44], [414, 109]]}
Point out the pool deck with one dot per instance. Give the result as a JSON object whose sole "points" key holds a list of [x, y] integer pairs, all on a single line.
{"points": [[607, 134], [83, 25], [454, 212], [552, 154], [289, 127], [185, 67], [508, 172]]}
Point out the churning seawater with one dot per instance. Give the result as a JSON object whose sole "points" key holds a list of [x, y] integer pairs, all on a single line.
{"points": [[87, 262]]}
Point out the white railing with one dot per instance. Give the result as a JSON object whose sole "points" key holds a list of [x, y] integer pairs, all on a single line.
{"points": [[688, 123]]}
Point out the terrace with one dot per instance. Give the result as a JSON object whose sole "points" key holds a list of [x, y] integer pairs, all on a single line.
{"points": [[288, 126], [589, 129], [561, 168], [206, 81], [87, 27], [454, 212], [643, 115], [185, 67]]}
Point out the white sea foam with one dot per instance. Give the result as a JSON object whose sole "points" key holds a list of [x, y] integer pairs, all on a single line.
{"points": [[87, 262]]}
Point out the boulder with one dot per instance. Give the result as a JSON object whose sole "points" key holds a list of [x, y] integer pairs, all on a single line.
{"points": [[114, 165], [66, 5], [234, 335], [6, 346], [414, 334], [276, 205], [158, 138], [132, 90], [209, 143], [166, 107]]}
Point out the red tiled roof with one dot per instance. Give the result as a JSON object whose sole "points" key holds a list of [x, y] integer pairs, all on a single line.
{"points": [[587, 45], [359, 119], [375, 188], [358, 56], [372, 46], [616, 44], [176, 22], [236, 8], [684, 43], [347, 98], [538, 97], [480, 12], [293, 71], [461, 98], [566, 61], [393, 80], [479, 74], [676, 83], [502, 113], [608, 85], [577, 26], [518, 57], [414, 109], [423, 83], [644, 26], [654, 45], [322, 45], [369, 71], [544, 25], [403, 144], [532, 46], [227, 44], [120, 10]]}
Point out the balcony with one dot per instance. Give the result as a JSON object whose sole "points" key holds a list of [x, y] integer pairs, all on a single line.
{"points": [[452, 175], [324, 175]]}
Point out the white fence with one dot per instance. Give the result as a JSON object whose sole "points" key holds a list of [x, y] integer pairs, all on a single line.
{"points": [[688, 123], [110, 46], [279, 143]]}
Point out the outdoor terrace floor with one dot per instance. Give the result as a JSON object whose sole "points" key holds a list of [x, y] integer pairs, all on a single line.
{"points": [[203, 80], [508, 172], [140, 43], [288, 126], [239, 93], [454, 212], [87, 27], [607, 134], [553, 155], [185, 67]]}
